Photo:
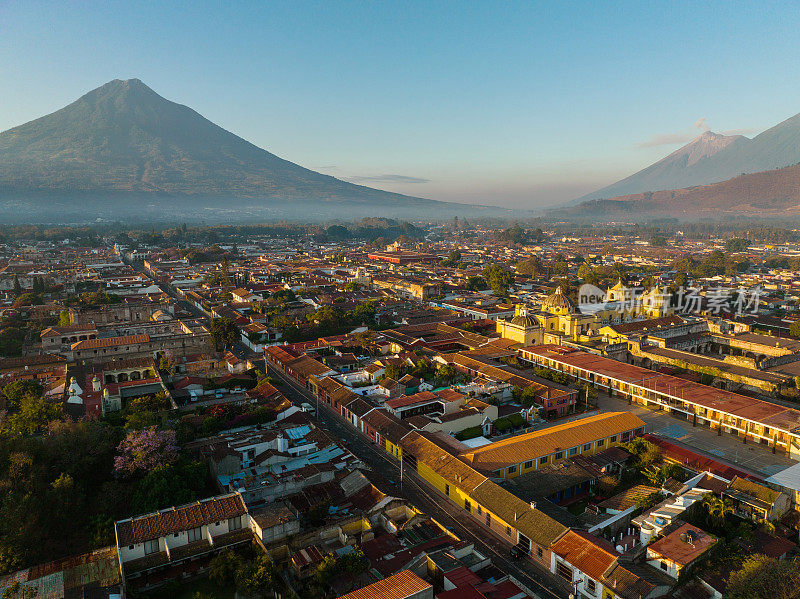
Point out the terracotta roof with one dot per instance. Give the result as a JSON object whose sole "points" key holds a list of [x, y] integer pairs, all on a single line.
{"points": [[73, 328], [177, 519], [450, 395], [398, 586], [445, 465], [531, 522], [409, 400], [529, 446], [306, 367], [753, 489], [110, 342], [683, 545], [646, 325], [588, 553], [720, 400]]}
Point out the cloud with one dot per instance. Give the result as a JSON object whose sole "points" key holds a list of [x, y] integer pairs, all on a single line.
{"points": [[666, 139], [670, 139], [387, 178]]}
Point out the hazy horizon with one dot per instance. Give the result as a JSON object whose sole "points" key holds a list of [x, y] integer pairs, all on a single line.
{"points": [[520, 105]]}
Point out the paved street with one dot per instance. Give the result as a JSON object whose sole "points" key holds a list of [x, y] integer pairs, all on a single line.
{"points": [[385, 474], [728, 448], [170, 291]]}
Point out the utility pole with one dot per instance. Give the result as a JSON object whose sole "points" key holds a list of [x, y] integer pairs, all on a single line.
{"points": [[401, 471]]}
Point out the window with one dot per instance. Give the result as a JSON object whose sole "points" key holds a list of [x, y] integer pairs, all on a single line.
{"points": [[508, 530], [447, 490], [544, 459], [601, 442], [591, 586], [564, 571], [175, 535], [195, 534], [235, 523], [488, 519], [151, 547], [613, 439], [559, 455], [479, 509], [512, 469], [587, 447], [539, 552], [130, 547], [573, 451], [529, 464], [664, 565]]}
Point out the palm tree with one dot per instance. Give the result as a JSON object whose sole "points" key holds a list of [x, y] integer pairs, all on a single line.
{"points": [[717, 508]]}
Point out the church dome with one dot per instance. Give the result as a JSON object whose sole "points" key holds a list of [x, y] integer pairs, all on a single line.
{"points": [[523, 320], [558, 301]]}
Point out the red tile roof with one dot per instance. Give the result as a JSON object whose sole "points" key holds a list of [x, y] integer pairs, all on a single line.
{"points": [[110, 342], [398, 586], [177, 519]]}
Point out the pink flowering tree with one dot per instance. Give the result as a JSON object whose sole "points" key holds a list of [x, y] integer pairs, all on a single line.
{"points": [[143, 450]]}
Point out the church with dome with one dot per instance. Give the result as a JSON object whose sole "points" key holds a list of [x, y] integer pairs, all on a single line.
{"points": [[559, 317]]}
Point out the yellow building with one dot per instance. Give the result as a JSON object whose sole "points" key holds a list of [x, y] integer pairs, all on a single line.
{"points": [[524, 453], [494, 507], [559, 316], [521, 328]]}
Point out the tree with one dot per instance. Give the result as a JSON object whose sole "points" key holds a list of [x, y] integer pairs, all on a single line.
{"points": [[16, 391], [33, 416], [498, 278], [736, 244], [762, 577], [223, 568], [531, 267], [224, 332], [17, 286], [794, 329], [476, 284], [658, 241], [256, 577], [169, 484], [141, 451], [716, 508], [352, 286], [645, 453], [453, 258], [527, 396], [283, 296], [64, 319]]}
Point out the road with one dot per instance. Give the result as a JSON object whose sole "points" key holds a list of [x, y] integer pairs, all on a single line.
{"points": [[170, 291], [385, 475]]}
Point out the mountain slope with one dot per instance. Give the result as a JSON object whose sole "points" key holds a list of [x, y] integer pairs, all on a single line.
{"points": [[713, 158], [774, 193], [124, 137]]}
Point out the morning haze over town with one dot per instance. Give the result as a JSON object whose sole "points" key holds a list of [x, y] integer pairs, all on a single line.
{"points": [[399, 300]]}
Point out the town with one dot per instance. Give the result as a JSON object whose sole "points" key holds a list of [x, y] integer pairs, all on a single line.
{"points": [[458, 409]]}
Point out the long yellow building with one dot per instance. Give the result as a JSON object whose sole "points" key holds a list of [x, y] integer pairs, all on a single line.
{"points": [[505, 514], [524, 453]]}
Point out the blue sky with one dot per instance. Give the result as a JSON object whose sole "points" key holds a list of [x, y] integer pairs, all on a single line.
{"points": [[520, 104]]}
